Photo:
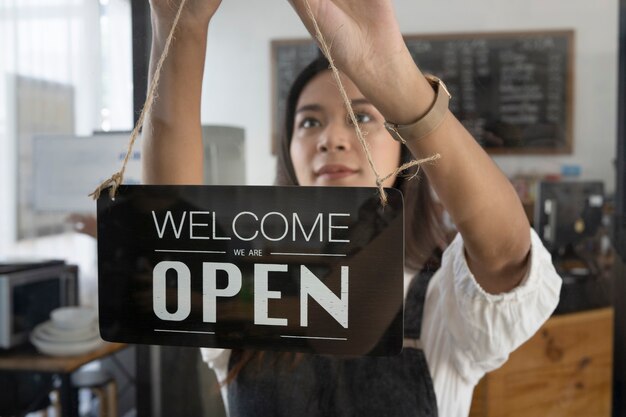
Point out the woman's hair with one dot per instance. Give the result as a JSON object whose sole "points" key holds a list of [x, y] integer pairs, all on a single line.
{"points": [[423, 227]]}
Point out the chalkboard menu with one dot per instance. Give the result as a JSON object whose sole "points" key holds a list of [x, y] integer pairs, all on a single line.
{"points": [[512, 91]]}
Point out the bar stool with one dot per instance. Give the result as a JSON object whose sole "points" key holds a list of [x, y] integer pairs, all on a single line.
{"points": [[103, 386]]}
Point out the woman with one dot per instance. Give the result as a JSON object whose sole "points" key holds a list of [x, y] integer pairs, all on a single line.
{"points": [[496, 284]]}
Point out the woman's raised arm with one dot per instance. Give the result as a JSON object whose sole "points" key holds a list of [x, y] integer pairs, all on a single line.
{"points": [[368, 47], [172, 136]]}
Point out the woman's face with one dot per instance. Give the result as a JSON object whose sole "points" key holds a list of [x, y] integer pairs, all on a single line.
{"points": [[324, 147]]}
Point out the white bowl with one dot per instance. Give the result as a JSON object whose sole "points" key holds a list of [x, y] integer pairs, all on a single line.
{"points": [[52, 328], [49, 332], [73, 317], [66, 349]]}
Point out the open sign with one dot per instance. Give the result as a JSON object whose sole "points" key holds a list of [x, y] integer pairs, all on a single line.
{"points": [[282, 268]]}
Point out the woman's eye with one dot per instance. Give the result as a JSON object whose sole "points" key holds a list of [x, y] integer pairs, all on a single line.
{"points": [[309, 122], [362, 118]]}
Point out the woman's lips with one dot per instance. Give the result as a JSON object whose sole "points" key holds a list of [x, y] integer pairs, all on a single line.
{"points": [[332, 172]]}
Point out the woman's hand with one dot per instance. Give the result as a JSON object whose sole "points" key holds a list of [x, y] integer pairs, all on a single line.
{"points": [[366, 44], [361, 33]]}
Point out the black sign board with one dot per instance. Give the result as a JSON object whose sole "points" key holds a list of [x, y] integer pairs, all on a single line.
{"points": [[281, 268]]}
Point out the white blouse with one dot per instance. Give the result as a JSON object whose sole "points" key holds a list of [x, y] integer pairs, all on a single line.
{"points": [[467, 332]]}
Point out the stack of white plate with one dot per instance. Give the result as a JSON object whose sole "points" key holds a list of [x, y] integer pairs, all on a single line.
{"points": [[71, 331]]}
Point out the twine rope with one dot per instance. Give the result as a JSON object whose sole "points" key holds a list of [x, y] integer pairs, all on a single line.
{"points": [[116, 179]]}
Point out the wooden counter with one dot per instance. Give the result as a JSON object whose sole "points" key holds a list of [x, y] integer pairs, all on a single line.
{"points": [[564, 370]]}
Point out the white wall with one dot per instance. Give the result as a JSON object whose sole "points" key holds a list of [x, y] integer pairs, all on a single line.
{"points": [[238, 80]]}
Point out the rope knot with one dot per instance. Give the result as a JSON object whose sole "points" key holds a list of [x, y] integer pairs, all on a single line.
{"points": [[381, 191], [114, 182]]}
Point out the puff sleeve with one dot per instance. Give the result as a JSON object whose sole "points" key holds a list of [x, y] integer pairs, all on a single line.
{"points": [[480, 330]]}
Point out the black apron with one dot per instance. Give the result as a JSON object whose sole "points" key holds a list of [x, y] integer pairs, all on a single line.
{"points": [[324, 386]]}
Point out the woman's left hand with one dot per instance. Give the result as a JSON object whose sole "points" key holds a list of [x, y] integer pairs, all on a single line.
{"points": [[360, 31], [366, 45]]}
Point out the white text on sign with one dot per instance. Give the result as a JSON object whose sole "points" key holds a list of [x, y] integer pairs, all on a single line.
{"points": [[310, 286], [203, 225]]}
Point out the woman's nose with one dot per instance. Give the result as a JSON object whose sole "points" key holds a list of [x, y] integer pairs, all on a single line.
{"points": [[335, 138]]}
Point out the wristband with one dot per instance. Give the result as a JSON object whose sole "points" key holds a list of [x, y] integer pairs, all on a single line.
{"points": [[428, 122]]}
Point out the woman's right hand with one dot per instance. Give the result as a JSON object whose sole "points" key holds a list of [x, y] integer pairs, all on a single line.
{"points": [[197, 12]]}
